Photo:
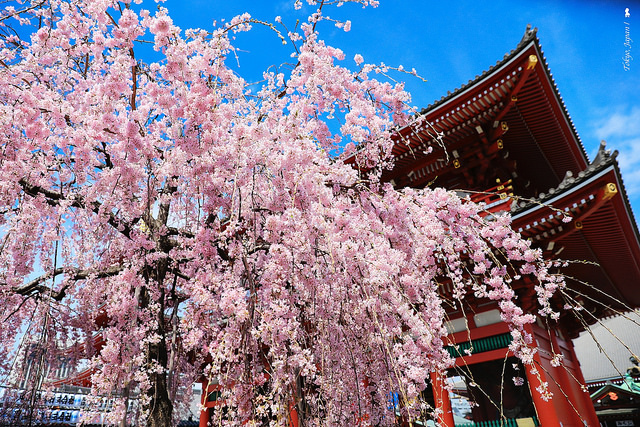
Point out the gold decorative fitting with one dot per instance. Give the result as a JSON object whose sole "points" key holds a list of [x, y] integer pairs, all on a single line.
{"points": [[143, 226], [503, 196], [456, 163], [504, 126], [500, 144], [610, 190], [533, 60], [514, 98], [578, 225]]}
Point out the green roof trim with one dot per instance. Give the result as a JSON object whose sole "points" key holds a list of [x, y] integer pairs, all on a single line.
{"points": [[507, 422], [480, 345], [628, 386]]}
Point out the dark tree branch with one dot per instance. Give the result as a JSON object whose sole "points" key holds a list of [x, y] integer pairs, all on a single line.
{"points": [[17, 308], [54, 199], [36, 285], [107, 156], [21, 11], [134, 78], [174, 231]]}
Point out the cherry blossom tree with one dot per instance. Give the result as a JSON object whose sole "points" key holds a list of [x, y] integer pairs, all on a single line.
{"points": [[206, 227]]}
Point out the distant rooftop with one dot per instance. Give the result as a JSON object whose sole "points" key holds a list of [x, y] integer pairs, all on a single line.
{"points": [[594, 362]]}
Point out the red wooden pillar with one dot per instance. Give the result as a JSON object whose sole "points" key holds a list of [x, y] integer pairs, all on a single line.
{"points": [[442, 402], [590, 412], [545, 409], [209, 401], [204, 410], [293, 416], [564, 381], [204, 417]]}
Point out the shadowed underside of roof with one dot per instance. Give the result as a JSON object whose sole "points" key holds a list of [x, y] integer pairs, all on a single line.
{"points": [[518, 91]]}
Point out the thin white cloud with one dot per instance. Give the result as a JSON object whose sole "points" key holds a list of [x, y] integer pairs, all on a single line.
{"points": [[621, 129], [629, 160], [620, 124], [284, 6]]}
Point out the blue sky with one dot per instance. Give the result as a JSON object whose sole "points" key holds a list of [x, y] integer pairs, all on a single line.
{"points": [[451, 42]]}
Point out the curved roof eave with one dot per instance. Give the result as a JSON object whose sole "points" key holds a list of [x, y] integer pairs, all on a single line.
{"points": [[529, 38]]}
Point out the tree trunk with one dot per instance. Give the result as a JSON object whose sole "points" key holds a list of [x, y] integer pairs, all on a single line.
{"points": [[161, 410], [160, 405]]}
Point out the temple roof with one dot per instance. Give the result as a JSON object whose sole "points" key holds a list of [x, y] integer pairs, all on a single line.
{"points": [[510, 117], [530, 36], [601, 240]]}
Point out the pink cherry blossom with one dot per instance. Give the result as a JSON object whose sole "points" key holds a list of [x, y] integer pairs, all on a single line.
{"points": [[163, 223]]}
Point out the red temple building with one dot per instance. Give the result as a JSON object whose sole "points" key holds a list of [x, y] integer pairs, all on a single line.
{"points": [[506, 139]]}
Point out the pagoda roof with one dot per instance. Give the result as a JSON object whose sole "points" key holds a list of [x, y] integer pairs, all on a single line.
{"points": [[515, 102], [529, 37], [601, 240]]}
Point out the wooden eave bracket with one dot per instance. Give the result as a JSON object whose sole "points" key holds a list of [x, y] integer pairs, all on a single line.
{"points": [[604, 194], [528, 67]]}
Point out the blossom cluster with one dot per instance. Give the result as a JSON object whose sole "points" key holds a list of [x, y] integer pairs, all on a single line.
{"points": [[169, 224]]}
